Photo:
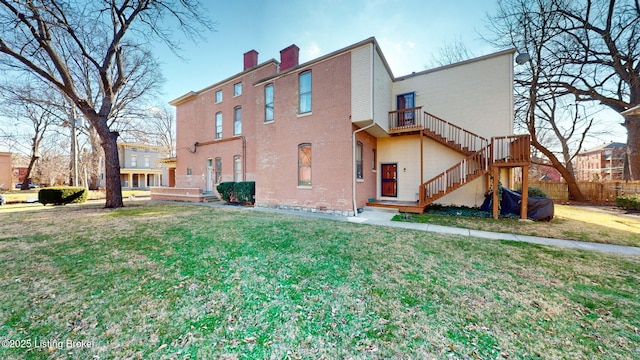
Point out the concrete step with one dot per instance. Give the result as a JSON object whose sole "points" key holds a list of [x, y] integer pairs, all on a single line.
{"points": [[381, 209]]}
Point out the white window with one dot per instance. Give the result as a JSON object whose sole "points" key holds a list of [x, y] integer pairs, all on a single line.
{"points": [[237, 168], [237, 121], [134, 161], [237, 89], [304, 92], [218, 96]]}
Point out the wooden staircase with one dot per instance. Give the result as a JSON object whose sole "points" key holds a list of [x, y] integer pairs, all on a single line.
{"points": [[482, 155]]}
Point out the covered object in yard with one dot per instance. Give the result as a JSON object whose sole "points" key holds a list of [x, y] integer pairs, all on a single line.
{"points": [[538, 208]]}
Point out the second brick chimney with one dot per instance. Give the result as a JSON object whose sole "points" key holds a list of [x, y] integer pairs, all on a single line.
{"points": [[289, 57], [250, 59]]}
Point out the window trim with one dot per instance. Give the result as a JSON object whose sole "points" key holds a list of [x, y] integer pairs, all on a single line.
{"points": [[218, 169], [238, 176], [301, 183], [235, 86], [268, 104], [359, 154], [309, 93], [237, 120], [216, 97], [219, 134]]}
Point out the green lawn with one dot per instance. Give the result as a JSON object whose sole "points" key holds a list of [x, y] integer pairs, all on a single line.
{"points": [[159, 281], [569, 222]]}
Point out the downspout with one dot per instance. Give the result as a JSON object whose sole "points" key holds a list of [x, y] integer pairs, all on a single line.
{"points": [[353, 140], [353, 153]]}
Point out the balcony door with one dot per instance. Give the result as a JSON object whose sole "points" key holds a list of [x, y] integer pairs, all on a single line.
{"points": [[389, 180], [406, 101]]}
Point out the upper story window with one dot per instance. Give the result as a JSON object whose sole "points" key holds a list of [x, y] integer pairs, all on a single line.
{"points": [[268, 103], [237, 121], [304, 91], [147, 162], [237, 89], [218, 125], [218, 96], [134, 161]]}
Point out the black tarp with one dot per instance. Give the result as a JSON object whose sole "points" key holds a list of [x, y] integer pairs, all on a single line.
{"points": [[538, 208]]}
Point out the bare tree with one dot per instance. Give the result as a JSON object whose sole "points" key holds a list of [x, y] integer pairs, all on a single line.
{"points": [[30, 107], [451, 53], [156, 128], [545, 105], [92, 52], [591, 52]]}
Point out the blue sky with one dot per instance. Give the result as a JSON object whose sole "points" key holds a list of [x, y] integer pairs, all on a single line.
{"points": [[410, 33]]}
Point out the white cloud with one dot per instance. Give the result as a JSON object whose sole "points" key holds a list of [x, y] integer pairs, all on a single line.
{"points": [[313, 51]]}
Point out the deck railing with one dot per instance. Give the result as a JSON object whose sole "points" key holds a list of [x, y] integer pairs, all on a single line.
{"points": [[511, 150], [406, 119]]}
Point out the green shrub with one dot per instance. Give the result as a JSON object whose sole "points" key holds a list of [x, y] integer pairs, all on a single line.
{"points": [[628, 202], [225, 189], [245, 191], [62, 195], [535, 192]]}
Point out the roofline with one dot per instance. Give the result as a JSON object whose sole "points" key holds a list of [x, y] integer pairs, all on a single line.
{"points": [[631, 111], [191, 94], [371, 40], [465, 62], [140, 145]]}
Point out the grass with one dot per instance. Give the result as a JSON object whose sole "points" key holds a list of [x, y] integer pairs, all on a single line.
{"points": [[184, 281], [23, 196], [569, 222]]}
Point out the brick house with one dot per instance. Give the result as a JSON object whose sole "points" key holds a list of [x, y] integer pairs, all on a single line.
{"points": [[331, 134], [604, 162]]}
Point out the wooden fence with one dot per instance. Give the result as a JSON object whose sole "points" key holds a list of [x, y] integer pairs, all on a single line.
{"points": [[605, 191]]}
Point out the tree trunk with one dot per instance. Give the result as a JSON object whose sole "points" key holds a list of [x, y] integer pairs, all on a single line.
{"points": [[112, 170], [632, 123], [26, 182], [572, 185]]}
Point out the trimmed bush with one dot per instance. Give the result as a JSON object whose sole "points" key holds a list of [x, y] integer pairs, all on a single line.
{"points": [[225, 189], [628, 202], [535, 192], [62, 195], [245, 191]]}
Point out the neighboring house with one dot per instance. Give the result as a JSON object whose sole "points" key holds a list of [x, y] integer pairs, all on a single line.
{"points": [[6, 172], [141, 165], [333, 133], [605, 162]]}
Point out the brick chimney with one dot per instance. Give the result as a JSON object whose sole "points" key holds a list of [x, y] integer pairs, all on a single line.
{"points": [[250, 59], [289, 57]]}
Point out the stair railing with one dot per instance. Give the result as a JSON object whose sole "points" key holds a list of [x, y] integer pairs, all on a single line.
{"points": [[454, 133], [456, 176]]}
